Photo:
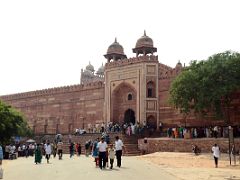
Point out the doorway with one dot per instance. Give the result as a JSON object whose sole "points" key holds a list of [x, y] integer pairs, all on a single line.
{"points": [[129, 116]]}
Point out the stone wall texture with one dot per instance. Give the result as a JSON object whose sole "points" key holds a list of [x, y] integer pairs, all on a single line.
{"points": [[61, 110], [184, 145]]}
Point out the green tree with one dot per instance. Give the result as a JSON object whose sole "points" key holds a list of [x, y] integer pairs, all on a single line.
{"points": [[207, 85], [12, 123]]}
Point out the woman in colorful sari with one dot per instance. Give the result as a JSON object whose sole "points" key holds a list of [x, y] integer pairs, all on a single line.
{"points": [[38, 154], [95, 151]]}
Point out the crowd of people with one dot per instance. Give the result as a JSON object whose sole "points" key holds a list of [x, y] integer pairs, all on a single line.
{"points": [[126, 128], [100, 149], [201, 132]]}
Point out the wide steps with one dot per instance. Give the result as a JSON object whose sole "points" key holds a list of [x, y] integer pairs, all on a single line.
{"points": [[130, 142]]}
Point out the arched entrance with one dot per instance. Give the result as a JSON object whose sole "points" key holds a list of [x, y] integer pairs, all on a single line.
{"points": [[151, 122], [123, 104], [129, 116]]}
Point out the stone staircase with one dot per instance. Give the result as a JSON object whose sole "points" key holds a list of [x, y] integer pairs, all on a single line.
{"points": [[130, 142], [131, 145]]}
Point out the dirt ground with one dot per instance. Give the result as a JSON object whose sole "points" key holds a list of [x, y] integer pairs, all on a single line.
{"points": [[188, 166], [161, 165]]}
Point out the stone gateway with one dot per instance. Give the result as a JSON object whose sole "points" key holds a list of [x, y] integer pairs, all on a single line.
{"points": [[132, 90]]}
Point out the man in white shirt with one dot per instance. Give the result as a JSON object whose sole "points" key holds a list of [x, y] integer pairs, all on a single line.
{"points": [[48, 150], [118, 147], [216, 154], [102, 148]]}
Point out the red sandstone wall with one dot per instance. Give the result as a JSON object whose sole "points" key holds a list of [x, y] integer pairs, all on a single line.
{"points": [[61, 110], [184, 145]]}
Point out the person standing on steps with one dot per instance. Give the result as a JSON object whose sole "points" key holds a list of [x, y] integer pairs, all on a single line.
{"points": [[119, 147]]}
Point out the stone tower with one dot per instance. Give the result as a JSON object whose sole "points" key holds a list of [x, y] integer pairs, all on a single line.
{"points": [[131, 85]]}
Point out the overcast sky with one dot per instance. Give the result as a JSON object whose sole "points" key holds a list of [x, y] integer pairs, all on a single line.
{"points": [[45, 43]]}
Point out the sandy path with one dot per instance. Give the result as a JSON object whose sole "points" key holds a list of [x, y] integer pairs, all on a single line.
{"points": [[190, 167], [82, 168]]}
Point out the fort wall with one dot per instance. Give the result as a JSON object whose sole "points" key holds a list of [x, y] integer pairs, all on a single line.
{"points": [[60, 109]]}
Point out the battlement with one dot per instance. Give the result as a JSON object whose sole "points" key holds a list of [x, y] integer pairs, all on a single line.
{"points": [[133, 60], [166, 72], [55, 90]]}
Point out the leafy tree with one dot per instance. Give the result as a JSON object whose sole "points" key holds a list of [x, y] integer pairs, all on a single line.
{"points": [[12, 123], [206, 86]]}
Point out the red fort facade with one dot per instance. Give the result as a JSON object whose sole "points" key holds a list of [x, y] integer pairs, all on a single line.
{"points": [[132, 90]]}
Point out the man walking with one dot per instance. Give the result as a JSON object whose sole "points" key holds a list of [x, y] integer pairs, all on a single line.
{"points": [[118, 147], [59, 148], [48, 150], [216, 154], [102, 147]]}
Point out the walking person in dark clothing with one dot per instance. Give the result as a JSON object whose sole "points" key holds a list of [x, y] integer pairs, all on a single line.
{"points": [[119, 147], [59, 149], [79, 149], [71, 149]]}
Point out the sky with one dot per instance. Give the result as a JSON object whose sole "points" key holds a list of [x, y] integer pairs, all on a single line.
{"points": [[45, 44]]}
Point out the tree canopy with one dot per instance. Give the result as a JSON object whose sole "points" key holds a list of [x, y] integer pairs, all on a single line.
{"points": [[206, 85], [12, 123]]}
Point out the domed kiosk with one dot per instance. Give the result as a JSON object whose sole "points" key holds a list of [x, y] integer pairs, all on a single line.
{"points": [[115, 52], [144, 46]]}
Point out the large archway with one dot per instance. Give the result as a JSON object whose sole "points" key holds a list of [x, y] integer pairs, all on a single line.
{"points": [[152, 122], [123, 98], [129, 116]]}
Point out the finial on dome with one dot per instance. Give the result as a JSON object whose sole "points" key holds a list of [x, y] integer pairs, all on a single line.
{"points": [[115, 40], [144, 32]]}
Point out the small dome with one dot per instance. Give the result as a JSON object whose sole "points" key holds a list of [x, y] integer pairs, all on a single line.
{"points": [[88, 73], [90, 67], [179, 65], [144, 41], [115, 48], [100, 70]]}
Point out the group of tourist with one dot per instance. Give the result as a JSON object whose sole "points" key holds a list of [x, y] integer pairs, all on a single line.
{"points": [[101, 150], [13, 151], [200, 132], [110, 127], [104, 152], [47, 150]]}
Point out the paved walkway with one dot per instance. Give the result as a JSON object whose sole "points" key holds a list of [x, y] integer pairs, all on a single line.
{"points": [[82, 168]]}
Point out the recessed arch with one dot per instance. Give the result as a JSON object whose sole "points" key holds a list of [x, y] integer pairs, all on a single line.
{"points": [[129, 116], [151, 89], [152, 121], [123, 98]]}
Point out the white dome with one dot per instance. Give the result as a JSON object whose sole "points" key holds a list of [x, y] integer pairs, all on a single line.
{"points": [[90, 67]]}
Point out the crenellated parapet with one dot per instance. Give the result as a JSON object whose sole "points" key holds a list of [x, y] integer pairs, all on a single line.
{"points": [[133, 60], [166, 72], [55, 90]]}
